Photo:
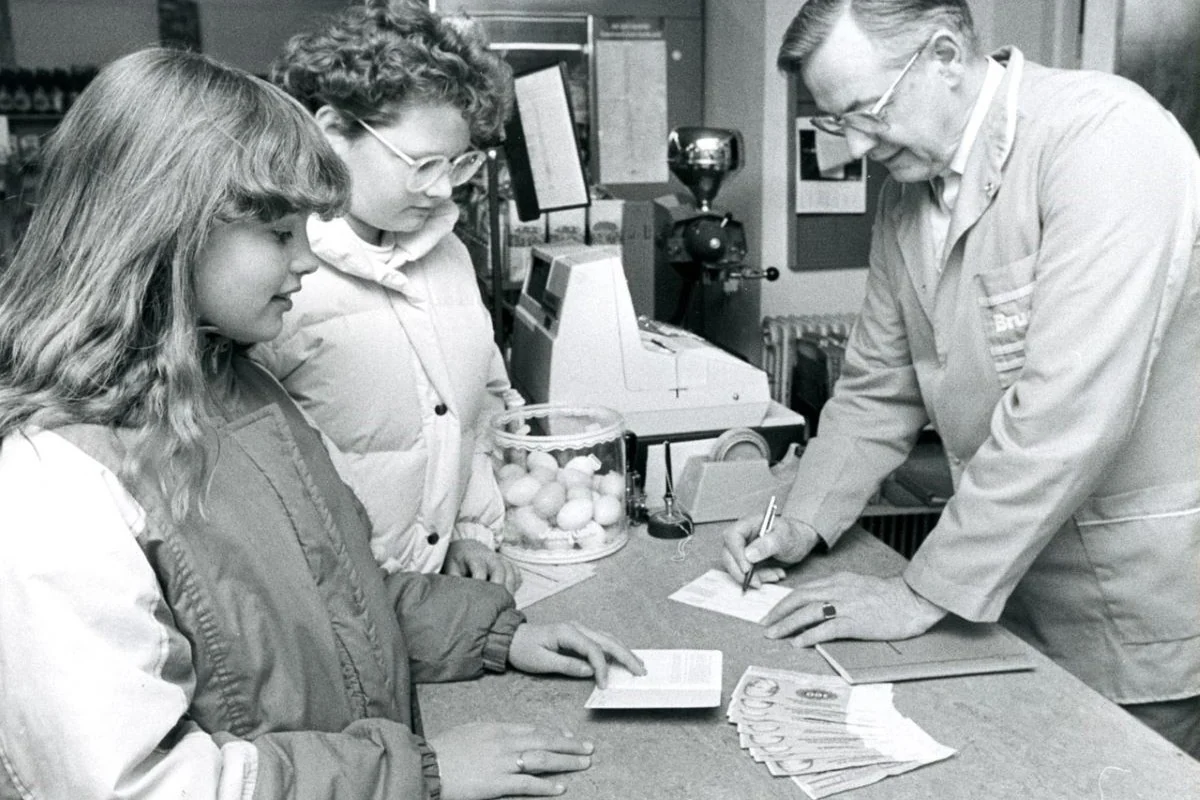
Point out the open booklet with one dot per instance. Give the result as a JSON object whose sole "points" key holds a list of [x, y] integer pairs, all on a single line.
{"points": [[673, 679], [952, 647]]}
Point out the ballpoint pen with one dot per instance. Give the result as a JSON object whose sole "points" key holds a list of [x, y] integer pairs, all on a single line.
{"points": [[767, 521]]}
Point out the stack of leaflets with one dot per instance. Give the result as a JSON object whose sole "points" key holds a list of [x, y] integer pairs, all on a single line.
{"points": [[824, 734], [540, 581]]}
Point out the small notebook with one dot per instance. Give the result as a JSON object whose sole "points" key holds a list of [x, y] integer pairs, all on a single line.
{"points": [[673, 679], [952, 647]]}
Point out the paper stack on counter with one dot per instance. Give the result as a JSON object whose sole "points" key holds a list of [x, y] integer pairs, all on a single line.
{"points": [[541, 581], [823, 733]]}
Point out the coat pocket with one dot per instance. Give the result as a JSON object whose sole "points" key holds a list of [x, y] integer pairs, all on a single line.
{"points": [[1006, 305], [1144, 547]]}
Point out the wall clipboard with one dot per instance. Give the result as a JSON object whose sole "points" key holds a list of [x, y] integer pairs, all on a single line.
{"points": [[540, 145]]}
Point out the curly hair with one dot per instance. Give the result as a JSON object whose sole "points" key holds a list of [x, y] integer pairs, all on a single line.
{"points": [[379, 58], [98, 320]]}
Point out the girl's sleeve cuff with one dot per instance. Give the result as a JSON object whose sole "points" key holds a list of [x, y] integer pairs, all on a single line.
{"points": [[495, 650]]}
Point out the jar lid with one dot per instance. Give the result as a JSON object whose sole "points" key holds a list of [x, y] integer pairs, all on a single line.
{"points": [[545, 426]]}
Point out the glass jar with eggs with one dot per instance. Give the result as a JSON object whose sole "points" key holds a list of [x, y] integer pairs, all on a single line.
{"points": [[561, 470]]}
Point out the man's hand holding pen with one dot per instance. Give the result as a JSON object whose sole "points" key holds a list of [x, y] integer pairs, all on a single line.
{"points": [[838, 606], [768, 521], [785, 542]]}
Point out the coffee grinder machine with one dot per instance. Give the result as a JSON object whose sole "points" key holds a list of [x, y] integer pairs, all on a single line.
{"points": [[695, 244]]}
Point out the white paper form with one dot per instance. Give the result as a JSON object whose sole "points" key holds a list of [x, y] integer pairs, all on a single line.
{"points": [[550, 140], [673, 679], [631, 104], [538, 583], [717, 591]]}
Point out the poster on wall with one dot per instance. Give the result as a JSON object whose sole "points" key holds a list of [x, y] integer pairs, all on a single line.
{"points": [[179, 24], [631, 99], [828, 179], [543, 159]]}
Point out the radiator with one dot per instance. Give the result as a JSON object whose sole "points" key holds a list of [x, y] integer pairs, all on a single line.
{"points": [[901, 527], [780, 335]]}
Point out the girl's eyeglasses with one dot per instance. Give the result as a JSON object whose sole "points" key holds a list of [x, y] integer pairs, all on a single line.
{"points": [[870, 122], [425, 172]]}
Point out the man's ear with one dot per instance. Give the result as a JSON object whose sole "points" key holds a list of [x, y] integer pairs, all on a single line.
{"points": [[333, 124], [949, 52]]}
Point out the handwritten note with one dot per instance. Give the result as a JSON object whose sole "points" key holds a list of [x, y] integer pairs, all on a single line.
{"points": [[716, 591]]}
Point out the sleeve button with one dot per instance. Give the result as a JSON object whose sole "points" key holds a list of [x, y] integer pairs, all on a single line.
{"points": [[432, 538], [440, 409]]}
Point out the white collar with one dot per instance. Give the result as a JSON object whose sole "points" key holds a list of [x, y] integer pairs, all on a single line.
{"points": [[991, 82], [335, 243]]}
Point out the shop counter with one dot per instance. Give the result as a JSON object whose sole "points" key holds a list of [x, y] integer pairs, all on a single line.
{"points": [[1031, 734]]}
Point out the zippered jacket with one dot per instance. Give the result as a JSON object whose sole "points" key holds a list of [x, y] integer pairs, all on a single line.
{"points": [[396, 361], [253, 651]]}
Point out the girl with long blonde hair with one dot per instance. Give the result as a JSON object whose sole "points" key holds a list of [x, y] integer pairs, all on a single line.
{"points": [[189, 605]]}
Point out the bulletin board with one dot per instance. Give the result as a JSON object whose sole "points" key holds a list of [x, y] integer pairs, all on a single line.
{"points": [[831, 241]]}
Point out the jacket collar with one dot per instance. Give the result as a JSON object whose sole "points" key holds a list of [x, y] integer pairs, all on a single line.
{"points": [[336, 243], [981, 179], [985, 165]]}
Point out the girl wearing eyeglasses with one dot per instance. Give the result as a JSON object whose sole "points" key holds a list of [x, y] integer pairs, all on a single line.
{"points": [[389, 346]]}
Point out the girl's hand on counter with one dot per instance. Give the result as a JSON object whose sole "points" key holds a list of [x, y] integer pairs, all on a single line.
{"points": [[569, 648], [473, 559], [488, 759]]}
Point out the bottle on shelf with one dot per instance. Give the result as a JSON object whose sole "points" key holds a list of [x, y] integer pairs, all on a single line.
{"points": [[6, 89], [23, 91], [40, 94]]}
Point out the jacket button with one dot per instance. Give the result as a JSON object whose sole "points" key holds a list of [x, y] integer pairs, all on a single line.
{"points": [[432, 538], [440, 409]]}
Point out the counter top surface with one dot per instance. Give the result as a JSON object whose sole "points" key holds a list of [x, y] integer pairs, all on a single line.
{"points": [[1036, 734]]}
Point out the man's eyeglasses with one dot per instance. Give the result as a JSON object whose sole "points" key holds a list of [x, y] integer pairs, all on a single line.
{"points": [[869, 122], [425, 172]]}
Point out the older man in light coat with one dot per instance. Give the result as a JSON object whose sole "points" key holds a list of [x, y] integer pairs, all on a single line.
{"points": [[1034, 294]]}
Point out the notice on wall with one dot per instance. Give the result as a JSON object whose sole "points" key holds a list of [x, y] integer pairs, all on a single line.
{"points": [[631, 100], [828, 179], [547, 136]]}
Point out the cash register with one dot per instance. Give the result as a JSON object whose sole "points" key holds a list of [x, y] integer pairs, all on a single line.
{"points": [[577, 340]]}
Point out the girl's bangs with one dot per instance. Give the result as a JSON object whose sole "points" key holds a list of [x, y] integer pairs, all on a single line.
{"points": [[287, 167]]}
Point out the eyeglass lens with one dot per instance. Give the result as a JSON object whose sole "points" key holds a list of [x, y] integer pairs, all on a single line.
{"points": [[862, 121], [428, 172], [868, 122]]}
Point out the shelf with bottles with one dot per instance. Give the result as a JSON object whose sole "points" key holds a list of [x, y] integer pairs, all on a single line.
{"points": [[41, 94], [32, 103], [21, 140]]}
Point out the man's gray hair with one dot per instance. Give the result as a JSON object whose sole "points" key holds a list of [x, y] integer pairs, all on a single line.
{"points": [[899, 25]]}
